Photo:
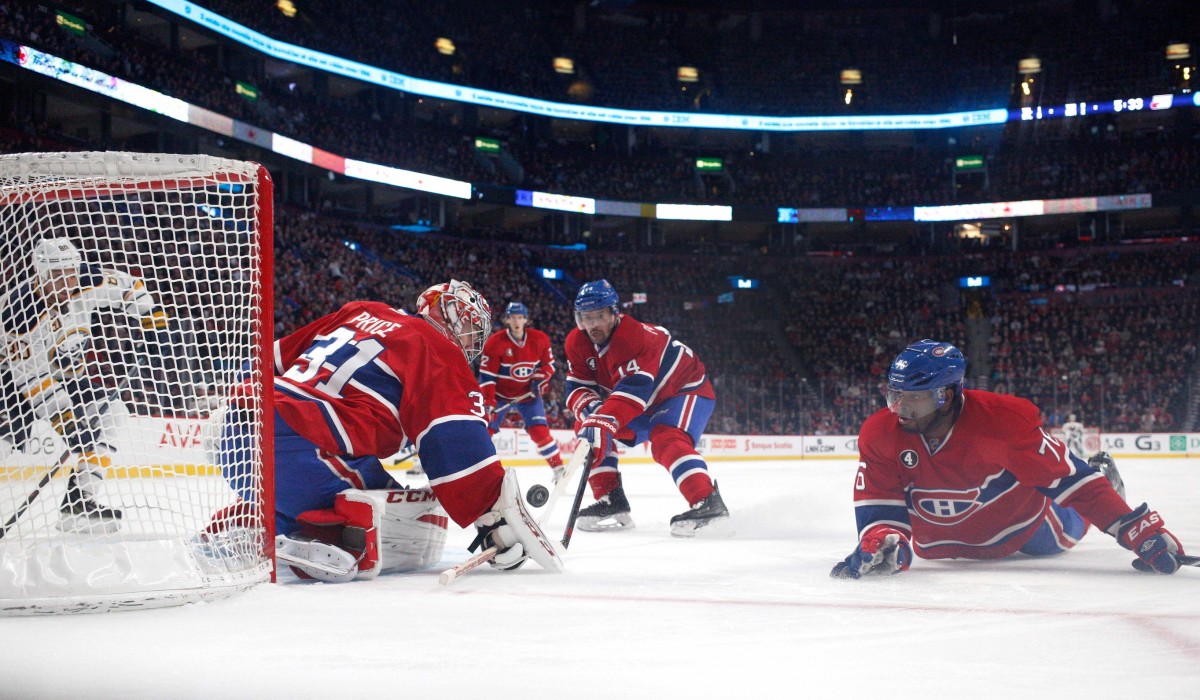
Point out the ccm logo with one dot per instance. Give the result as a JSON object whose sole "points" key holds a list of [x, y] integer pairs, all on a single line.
{"points": [[1147, 522], [418, 496]]}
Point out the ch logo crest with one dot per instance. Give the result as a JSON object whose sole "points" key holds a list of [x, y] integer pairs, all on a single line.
{"points": [[909, 458]]}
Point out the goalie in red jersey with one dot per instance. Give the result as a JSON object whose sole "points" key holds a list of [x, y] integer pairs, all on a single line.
{"points": [[514, 372], [951, 473], [360, 384], [630, 382]]}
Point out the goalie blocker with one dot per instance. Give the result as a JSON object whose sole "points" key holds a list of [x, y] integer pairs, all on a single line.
{"points": [[366, 533]]}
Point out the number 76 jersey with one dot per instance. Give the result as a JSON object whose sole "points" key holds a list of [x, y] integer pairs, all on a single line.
{"points": [[368, 379]]}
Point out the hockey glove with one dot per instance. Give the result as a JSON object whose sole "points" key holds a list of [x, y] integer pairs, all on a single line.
{"points": [[598, 430], [882, 550], [1142, 532], [539, 383]]}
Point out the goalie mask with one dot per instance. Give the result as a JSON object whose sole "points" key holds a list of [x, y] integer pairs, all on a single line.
{"points": [[460, 312]]}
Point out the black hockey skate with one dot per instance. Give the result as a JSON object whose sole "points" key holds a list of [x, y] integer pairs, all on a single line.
{"points": [[80, 513], [700, 515], [1103, 463], [609, 512]]}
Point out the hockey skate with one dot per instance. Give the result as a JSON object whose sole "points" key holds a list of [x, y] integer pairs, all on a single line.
{"points": [[1104, 463], [80, 513], [313, 559], [700, 515], [609, 512]]}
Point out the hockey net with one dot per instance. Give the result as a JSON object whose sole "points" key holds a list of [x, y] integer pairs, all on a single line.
{"points": [[132, 463]]}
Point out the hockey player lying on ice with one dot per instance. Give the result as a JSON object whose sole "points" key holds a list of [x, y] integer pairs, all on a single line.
{"points": [[358, 385], [948, 473]]}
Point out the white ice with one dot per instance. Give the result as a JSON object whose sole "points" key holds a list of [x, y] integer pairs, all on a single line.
{"points": [[640, 614]]}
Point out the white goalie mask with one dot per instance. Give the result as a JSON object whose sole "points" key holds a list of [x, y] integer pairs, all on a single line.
{"points": [[460, 312]]}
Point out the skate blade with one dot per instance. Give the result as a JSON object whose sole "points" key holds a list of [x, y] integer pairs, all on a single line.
{"points": [[83, 525], [717, 527], [606, 524]]}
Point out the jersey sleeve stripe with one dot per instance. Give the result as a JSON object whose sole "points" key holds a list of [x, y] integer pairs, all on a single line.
{"points": [[463, 473], [336, 429], [448, 419], [279, 368]]}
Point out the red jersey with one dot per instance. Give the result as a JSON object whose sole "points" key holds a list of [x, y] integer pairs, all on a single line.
{"points": [[984, 491], [640, 366], [507, 366], [368, 379]]}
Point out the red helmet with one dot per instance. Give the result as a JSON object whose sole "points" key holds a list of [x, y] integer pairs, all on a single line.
{"points": [[460, 312]]}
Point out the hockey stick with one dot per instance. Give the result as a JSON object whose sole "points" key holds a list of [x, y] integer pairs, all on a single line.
{"points": [[573, 467], [450, 575], [1187, 559], [37, 490], [588, 459], [112, 395], [503, 410]]}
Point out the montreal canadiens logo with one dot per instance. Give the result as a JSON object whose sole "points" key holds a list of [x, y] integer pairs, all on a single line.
{"points": [[938, 351], [945, 507], [909, 458], [523, 370]]}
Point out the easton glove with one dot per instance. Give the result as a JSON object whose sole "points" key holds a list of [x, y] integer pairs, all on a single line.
{"points": [[1142, 532], [598, 430], [882, 550], [539, 383]]}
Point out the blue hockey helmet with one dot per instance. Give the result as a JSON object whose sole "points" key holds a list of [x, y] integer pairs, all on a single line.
{"points": [[516, 308], [919, 376], [597, 295], [927, 365]]}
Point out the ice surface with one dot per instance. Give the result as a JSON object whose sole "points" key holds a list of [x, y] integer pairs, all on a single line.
{"points": [[640, 614]]}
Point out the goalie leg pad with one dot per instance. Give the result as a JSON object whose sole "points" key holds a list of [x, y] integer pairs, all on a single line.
{"points": [[400, 529]]}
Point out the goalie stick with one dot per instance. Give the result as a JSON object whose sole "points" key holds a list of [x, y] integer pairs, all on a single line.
{"points": [[450, 575]]}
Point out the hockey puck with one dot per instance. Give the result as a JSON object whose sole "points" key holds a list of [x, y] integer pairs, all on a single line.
{"points": [[537, 495]]}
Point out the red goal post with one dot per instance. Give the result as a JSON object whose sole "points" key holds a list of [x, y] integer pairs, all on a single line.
{"points": [[145, 479]]}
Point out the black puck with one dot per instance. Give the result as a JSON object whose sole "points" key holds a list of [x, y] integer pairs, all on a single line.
{"points": [[537, 495]]}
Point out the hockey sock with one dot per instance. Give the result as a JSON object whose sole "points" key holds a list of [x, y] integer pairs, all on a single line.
{"points": [[604, 477], [673, 449], [546, 446]]}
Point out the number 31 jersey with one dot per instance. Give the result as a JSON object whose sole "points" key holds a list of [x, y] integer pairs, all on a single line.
{"points": [[368, 379]]}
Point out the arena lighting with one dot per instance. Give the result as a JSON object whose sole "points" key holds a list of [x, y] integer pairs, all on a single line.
{"points": [[687, 74], [1178, 51], [317, 60], [115, 88], [851, 76], [1029, 66], [444, 46], [287, 7], [564, 66]]}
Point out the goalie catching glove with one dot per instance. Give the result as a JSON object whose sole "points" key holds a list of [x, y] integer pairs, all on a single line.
{"points": [[1142, 532], [882, 550], [513, 532]]}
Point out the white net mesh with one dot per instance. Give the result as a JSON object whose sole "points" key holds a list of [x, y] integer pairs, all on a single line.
{"points": [[130, 446]]}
